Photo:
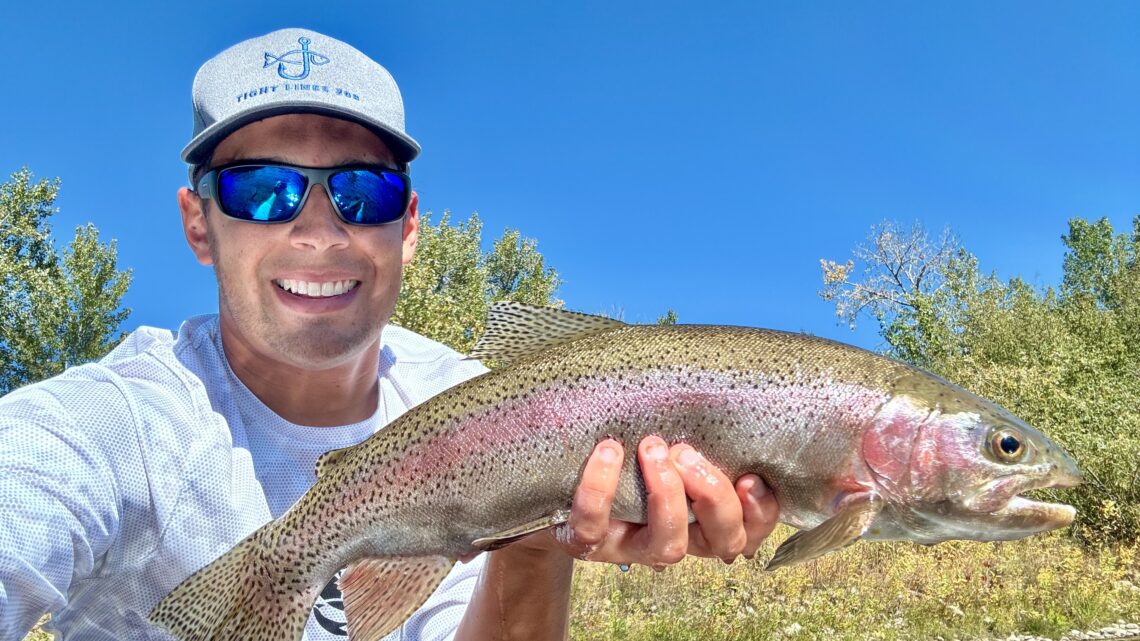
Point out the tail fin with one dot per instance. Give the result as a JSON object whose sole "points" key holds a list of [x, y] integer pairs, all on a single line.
{"points": [[241, 595]]}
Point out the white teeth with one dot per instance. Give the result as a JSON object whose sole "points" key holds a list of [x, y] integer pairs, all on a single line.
{"points": [[316, 290]]}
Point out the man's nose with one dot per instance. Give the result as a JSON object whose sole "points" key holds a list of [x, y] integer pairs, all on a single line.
{"points": [[318, 226]]}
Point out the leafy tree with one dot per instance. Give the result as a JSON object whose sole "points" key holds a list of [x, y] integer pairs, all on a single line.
{"points": [[1067, 360], [902, 273], [450, 284], [58, 310]]}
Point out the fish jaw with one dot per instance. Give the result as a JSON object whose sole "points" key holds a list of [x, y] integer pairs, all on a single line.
{"points": [[1031, 517], [1011, 517], [1019, 516]]}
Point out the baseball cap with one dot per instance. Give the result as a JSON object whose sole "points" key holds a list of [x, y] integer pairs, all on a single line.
{"points": [[294, 71]]}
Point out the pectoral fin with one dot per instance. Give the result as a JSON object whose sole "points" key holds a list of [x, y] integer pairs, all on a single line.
{"points": [[381, 593], [842, 529], [506, 537]]}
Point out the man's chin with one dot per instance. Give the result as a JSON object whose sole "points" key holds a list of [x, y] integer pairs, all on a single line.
{"points": [[318, 348]]}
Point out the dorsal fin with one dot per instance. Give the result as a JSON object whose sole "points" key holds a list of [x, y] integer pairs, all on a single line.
{"points": [[517, 330], [329, 459]]}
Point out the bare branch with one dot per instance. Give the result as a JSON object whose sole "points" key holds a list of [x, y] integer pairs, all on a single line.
{"points": [[887, 272]]}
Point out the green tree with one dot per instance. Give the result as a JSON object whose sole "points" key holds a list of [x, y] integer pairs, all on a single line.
{"points": [[58, 310], [1065, 359], [450, 284]]}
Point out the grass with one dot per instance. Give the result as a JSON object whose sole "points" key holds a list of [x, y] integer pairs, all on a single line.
{"points": [[1044, 585], [37, 634]]}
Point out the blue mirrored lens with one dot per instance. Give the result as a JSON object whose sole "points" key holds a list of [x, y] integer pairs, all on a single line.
{"points": [[368, 197], [264, 194]]}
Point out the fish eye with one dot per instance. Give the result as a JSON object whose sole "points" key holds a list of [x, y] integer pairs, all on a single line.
{"points": [[1007, 446]]}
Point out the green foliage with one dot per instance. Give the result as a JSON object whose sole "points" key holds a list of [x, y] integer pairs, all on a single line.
{"points": [[58, 310], [451, 282], [1067, 360], [670, 318]]}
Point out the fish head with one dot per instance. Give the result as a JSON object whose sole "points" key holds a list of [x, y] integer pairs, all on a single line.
{"points": [[954, 466]]}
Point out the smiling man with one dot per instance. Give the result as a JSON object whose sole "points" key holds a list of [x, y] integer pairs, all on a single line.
{"points": [[119, 479]]}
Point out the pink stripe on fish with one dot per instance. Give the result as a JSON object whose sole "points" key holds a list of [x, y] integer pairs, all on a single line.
{"points": [[577, 416]]}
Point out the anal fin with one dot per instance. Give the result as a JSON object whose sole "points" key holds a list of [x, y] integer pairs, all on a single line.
{"points": [[842, 529], [380, 593], [506, 537]]}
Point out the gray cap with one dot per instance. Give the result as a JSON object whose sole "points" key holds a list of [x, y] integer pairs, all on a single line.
{"points": [[294, 71]]}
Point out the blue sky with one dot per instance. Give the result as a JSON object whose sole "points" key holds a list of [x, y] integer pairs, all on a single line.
{"points": [[695, 156]]}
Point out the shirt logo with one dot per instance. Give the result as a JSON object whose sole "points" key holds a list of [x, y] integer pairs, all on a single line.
{"points": [[301, 56], [329, 609]]}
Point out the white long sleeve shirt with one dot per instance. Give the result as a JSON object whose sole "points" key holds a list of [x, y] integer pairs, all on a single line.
{"points": [[119, 479]]}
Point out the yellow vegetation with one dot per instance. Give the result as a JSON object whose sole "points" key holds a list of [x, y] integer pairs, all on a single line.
{"points": [[1044, 586]]}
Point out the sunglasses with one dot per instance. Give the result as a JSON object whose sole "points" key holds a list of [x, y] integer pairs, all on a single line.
{"points": [[264, 193]]}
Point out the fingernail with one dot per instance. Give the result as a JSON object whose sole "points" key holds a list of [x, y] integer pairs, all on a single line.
{"points": [[657, 451], [759, 489], [689, 457], [608, 453]]}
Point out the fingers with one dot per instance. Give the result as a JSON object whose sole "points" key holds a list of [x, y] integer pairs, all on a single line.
{"points": [[719, 530], [759, 509], [731, 518], [590, 514], [665, 539]]}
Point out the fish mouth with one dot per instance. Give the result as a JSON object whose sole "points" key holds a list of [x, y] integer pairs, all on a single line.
{"points": [[1037, 516], [1041, 516]]}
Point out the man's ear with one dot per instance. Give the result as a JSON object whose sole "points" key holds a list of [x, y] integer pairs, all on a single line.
{"points": [[194, 225], [411, 228]]}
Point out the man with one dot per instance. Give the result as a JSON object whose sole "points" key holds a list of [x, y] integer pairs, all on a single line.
{"points": [[121, 478]]}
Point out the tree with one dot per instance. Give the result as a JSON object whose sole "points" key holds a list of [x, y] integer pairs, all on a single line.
{"points": [[451, 283], [1065, 360], [902, 272], [58, 310]]}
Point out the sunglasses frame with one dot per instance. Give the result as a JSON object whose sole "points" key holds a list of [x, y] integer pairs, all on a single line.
{"points": [[207, 188]]}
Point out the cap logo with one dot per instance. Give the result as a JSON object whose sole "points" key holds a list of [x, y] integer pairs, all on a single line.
{"points": [[301, 56]]}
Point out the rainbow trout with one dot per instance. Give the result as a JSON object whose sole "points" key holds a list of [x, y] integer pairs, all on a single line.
{"points": [[852, 444]]}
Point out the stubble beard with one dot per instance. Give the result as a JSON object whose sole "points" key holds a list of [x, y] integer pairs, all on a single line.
{"points": [[315, 344]]}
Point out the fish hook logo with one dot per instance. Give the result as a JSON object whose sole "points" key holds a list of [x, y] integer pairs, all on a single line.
{"points": [[306, 60]]}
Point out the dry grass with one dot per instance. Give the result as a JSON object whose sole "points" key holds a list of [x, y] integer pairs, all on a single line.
{"points": [[1044, 585], [38, 635]]}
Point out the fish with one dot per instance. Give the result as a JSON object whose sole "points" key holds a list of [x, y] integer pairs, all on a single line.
{"points": [[302, 56], [852, 444]]}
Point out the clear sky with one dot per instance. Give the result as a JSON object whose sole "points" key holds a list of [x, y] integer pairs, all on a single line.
{"points": [[700, 156]]}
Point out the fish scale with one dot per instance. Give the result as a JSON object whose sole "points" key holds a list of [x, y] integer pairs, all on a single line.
{"points": [[853, 445]]}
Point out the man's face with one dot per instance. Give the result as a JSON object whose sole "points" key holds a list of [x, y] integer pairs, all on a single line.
{"points": [[316, 250]]}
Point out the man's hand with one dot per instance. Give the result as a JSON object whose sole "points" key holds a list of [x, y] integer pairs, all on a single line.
{"points": [[731, 519]]}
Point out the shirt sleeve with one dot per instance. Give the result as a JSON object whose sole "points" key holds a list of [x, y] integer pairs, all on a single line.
{"points": [[57, 508]]}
